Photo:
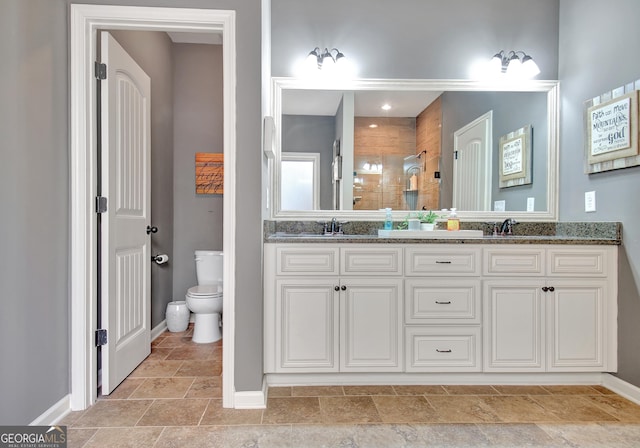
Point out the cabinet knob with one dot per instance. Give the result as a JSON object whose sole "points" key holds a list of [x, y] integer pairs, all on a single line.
{"points": [[344, 288], [545, 289], [551, 288], [336, 288]]}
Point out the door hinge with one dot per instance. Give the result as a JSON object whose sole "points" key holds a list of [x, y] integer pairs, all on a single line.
{"points": [[101, 70], [455, 155], [101, 204], [101, 337]]}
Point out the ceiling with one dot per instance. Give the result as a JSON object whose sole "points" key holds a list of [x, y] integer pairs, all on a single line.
{"points": [[367, 103]]}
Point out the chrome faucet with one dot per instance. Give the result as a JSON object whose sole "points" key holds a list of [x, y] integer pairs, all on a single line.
{"points": [[334, 227], [507, 226]]}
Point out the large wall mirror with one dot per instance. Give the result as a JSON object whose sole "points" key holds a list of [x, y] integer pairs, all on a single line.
{"points": [[489, 150]]}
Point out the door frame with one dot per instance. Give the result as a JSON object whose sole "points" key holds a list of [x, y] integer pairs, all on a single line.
{"points": [[85, 21]]}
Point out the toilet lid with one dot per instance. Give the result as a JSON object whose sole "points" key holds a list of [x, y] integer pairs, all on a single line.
{"points": [[205, 290]]}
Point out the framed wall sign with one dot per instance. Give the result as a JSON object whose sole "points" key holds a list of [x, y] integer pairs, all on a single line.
{"points": [[209, 173], [611, 130], [515, 157]]}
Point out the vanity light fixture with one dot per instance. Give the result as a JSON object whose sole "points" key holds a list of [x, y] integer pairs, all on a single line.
{"points": [[514, 63], [325, 59]]}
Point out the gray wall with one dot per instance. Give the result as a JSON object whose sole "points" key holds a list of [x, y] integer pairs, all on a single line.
{"points": [[153, 52], [313, 133], [415, 38], [511, 111], [34, 199], [595, 40], [197, 128]]}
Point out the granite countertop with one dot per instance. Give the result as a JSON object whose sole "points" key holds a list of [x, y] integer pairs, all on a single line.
{"points": [[589, 233]]}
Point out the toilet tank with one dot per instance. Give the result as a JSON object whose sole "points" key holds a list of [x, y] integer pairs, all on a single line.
{"points": [[209, 268]]}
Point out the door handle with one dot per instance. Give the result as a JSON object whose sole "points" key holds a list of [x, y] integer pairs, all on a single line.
{"points": [[151, 230]]}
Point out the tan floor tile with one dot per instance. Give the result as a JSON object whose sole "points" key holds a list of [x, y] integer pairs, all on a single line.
{"points": [[621, 408], [77, 438], [110, 413], [462, 409], [199, 368], [163, 388], [199, 352], [316, 391], [150, 369], [572, 390], [368, 390], [404, 409], [206, 387], [159, 353], [601, 435], [419, 390], [292, 410], [275, 391], [124, 390], [470, 390], [176, 341], [264, 436], [71, 418], [521, 390], [517, 408], [603, 390], [450, 435], [518, 435], [352, 409], [124, 437], [174, 412], [573, 408], [217, 415]]}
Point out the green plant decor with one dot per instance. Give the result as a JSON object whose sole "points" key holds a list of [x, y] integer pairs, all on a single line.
{"points": [[429, 217]]}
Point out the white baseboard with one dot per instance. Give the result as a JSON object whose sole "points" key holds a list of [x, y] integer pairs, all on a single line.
{"points": [[251, 399], [621, 387], [360, 379], [55, 413], [158, 330]]}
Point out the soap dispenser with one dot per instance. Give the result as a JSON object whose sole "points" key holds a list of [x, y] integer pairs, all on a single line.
{"points": [[388, 219], [453, 223]]}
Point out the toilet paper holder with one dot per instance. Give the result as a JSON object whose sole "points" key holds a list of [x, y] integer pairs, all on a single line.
{"points": [[160, 258]]}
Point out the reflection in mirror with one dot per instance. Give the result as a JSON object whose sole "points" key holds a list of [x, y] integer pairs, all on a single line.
{"points": [[424, 152]]}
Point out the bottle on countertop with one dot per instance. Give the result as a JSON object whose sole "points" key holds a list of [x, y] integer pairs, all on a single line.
{"points": [[453, 222], [388, 219]]}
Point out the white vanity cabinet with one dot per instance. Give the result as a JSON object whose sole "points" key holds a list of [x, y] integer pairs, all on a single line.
{"points": [[549, 308], [334, 309], [442, 308]]}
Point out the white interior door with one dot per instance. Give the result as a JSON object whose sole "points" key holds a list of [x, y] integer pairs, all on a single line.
{"points": [[125, 253], [472, 165]]}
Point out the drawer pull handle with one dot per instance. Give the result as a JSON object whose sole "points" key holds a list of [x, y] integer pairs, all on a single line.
{"points": [[443, 351], [439, 302], [443, 262]]}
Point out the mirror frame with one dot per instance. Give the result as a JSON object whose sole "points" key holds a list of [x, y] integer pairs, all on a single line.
{"points": [[551, 87]]}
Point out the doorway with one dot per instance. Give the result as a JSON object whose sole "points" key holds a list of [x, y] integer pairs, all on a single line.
{"points": [[85, 22]]}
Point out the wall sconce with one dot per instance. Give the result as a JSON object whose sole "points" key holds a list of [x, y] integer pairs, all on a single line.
{"points": [[372, 167], [325, 59], [514, 63]]}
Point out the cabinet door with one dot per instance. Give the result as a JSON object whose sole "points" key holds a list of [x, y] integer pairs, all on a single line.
{"points": [[307, 325], [576, 325], [513, 326], [371, 325]]}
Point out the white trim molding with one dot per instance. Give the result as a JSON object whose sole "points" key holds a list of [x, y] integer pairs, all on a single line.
{"points": [[621, 387], [54, 414], [254, 399], [85, 21]]}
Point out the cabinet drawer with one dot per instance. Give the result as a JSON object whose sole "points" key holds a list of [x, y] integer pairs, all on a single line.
{"points": [[578, 261], [450, 349], [371, 261], [442, 301], [442, 261], [306, 260], [514, 261]]}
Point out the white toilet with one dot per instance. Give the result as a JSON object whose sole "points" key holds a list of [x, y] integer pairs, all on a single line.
{"points": [[205, 300]]}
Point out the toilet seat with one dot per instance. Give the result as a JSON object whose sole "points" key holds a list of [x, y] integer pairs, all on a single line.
{"points": [[205, 291]]}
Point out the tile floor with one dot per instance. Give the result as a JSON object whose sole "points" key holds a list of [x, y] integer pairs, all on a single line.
{"points": [[174, 399]]}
